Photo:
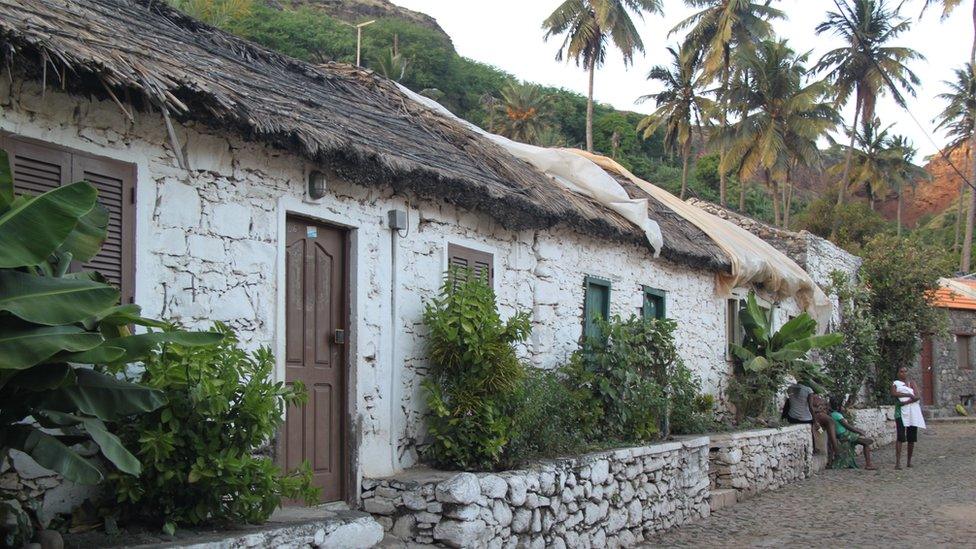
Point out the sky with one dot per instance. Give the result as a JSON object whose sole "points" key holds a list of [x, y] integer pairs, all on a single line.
{"points": [[508, 35]]}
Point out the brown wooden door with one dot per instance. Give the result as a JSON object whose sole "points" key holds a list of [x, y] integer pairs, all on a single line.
{"points": [[315, 328], [928, 380]]}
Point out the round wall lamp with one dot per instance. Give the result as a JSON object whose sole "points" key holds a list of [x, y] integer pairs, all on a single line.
{"points": [[317, 185]]}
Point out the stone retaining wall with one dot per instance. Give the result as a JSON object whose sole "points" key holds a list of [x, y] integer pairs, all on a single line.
{"points": [[614, 499], [756, 461], [877, 423]]}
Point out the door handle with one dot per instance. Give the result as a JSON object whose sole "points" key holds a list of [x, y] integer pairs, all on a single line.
{"points": [[340, 337]]}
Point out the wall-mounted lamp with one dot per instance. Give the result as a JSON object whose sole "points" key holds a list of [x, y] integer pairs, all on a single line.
{"points": [[317, 185]]}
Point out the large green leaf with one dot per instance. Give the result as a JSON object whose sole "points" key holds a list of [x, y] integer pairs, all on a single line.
{"points": [[798, 327], [754, 319], [103, 354], [124, 315], [814, 342], [138, 347], [105, 397], [112, 447], [6, 182], [53, 301], [84, 242], [43, 377], [24, 347], [32, 229], [51, 453]]}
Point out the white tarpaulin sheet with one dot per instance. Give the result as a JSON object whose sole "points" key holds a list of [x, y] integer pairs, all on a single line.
{"points": [[754, 261], [572, 171]]}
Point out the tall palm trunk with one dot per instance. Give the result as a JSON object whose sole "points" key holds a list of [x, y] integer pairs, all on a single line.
{"points": [[742, 195], [842, 191], [898, 215], [589, 108], [775, 192], [967, 242], [960, 201], [723, 178], [685, 153], [787, 200]]}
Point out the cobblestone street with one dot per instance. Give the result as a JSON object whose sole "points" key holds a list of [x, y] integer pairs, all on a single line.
{"points": [[933, 504]]}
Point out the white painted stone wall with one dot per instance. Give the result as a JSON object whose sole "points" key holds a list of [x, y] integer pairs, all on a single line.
{"points": [[752, 462], [208, 249], [606, 499], [877, 423]]}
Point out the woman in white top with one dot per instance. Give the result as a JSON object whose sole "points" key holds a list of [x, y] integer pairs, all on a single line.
{"points": [[908, 414]]}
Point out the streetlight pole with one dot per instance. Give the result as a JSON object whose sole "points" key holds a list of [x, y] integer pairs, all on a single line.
{"points": [[359, 40]]}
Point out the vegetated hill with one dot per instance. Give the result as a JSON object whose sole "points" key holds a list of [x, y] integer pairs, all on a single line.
{"points": [[931, 198], [358, 11]]}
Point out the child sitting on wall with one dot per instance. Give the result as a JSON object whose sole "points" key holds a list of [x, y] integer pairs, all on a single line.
{"points": [[848, 436]]}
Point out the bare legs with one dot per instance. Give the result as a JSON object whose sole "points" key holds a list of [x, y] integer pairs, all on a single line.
{"points": [[866, 443], [911, 448]]}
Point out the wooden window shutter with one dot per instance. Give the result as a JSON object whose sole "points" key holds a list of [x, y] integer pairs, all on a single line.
{"points": [[479, 262], [596, 304], [655, 303], [38, 168]]}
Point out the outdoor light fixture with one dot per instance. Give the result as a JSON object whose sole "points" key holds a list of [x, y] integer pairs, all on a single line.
{"points": [[316, 185]]}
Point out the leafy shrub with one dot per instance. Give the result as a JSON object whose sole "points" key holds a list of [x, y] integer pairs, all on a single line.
{"points": [[900, 273], [690, 411], [625, 373], [199, 449], [848, 365], [474, 373], [548, 412], [54, 325], [766, 358]]}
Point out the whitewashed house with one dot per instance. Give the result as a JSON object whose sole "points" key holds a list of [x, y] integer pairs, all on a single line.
{"points": [[315, 209]]}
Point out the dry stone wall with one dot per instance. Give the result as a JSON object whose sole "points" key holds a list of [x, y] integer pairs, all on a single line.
{"points": [[752, 462], [877, 423], [606, 499]]}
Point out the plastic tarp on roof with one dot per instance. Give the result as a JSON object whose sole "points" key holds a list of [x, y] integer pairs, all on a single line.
{"points": [[754, 261], [576, 173]]}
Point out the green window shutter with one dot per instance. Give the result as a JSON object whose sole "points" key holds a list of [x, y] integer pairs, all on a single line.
{"points": [[655, 303], [596, 304]]}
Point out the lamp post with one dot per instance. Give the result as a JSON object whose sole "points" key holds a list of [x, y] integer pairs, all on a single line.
{"points": [[359, 39]]}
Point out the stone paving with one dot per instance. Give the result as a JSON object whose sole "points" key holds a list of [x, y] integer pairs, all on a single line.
{"points": [[932, 504]]}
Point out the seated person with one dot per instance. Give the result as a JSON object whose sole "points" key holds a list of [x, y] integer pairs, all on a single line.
{"points": [[822, 418], [849, 434]]}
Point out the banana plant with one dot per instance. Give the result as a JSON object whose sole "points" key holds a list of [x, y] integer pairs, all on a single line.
{"points": [[64, 336], [784, 352]]}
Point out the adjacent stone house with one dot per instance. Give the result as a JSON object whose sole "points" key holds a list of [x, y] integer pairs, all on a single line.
{"points": [[946, 372], [315, 208]]}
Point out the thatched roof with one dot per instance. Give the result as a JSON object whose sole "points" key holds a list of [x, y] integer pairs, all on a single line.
{"points": [[149, 56]]}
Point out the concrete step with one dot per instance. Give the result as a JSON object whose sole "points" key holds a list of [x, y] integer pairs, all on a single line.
{"points": [[720, 499]]}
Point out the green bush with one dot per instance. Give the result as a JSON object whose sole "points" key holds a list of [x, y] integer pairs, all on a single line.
{"points": [[848, 365], [199, 450], [690, 411], [548, 412], [474, 374], [625, 374]]}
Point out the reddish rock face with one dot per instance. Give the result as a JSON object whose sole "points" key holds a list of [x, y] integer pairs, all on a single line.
{"points": [[932, 197]]}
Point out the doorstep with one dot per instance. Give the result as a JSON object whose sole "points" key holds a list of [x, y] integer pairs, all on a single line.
{"points": [[325, 526]]}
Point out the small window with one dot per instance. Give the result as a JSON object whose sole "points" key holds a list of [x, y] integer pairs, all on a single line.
{"points": [[480, 263], [596, 304], [964, 351], [654, 303]]}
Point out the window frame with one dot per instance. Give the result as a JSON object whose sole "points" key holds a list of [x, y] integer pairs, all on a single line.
{"points": [[964, 341], [590, 281], [659, 295]]}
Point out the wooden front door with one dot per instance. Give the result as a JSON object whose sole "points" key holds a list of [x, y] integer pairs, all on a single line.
{"points": [[315, 333], [928, 380]]}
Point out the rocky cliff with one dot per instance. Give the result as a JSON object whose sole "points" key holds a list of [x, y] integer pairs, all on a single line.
{"points": [[934, 196]]}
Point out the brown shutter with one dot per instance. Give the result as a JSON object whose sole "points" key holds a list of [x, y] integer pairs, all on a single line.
{"points": [[39, 167], [115, 182], [479, 262]]}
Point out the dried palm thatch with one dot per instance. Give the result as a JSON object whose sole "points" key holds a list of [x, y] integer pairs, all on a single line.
{"points": [[350, 119]]}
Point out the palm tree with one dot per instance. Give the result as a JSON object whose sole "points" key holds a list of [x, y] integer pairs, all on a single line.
{"points": [[866, 66], [588, 25], [521, 114], [871, 160], [781, 117], [903, 171], [680, 107], [959, 120], [714, 32]]}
